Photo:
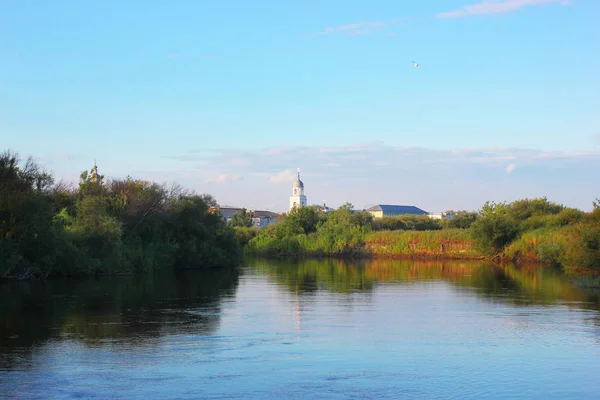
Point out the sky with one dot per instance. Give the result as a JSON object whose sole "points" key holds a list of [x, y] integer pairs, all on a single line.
{"points": [[231, 97]]}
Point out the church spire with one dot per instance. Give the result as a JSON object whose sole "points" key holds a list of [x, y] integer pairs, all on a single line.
{"points": [[94, 177], [298, 199]]}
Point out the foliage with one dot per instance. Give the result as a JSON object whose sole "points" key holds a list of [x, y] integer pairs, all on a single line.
{"points": [[526, 230], [461, 219], [304, 219], [447, 243], [499, 224], [407, 223], [306, 231], [241, 218], [103, 227], [245, 234]]}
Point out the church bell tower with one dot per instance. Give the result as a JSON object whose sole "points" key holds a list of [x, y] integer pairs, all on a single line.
{"points": [[298, 199]]}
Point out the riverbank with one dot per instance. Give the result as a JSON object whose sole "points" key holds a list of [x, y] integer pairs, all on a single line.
{"points": [[447, 244], [525, 231], [554, 247], [104, 227]]}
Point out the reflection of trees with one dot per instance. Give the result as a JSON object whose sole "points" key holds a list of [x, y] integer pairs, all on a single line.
{"points": [[123, 308], [519, 286], [311, 275]]}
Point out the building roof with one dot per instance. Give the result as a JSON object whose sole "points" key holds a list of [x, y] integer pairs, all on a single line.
{"points": [[264, 214], [298, 182], [387, 208]]}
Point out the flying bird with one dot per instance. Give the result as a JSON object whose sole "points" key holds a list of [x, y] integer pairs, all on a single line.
{"points": [[415, 64]]}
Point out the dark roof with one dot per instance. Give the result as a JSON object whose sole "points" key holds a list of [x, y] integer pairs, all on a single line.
{"points": [[386, 208], [264, 214]]}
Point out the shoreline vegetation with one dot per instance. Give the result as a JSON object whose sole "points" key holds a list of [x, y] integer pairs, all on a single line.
{"points": [[528, 231], [110, 227]]}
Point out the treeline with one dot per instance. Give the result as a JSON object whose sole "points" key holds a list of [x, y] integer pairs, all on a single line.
{"points": [[308, 231], [533, 230], [103, 227]]}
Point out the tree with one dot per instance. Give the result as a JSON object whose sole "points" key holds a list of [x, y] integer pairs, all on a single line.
{"points": [[241, 218], [462, 219], [305, 219]]}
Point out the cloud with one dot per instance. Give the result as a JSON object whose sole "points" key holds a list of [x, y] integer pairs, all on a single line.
{"points": [[373, 172], [359, 28], [222, 178], [596, 138], [496, 7], [174, 55], [283, 176], [242, 162]]}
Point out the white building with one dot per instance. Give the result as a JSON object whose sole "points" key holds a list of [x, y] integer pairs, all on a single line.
{"points": [[442, 215], [260, 218], [298, 199]]}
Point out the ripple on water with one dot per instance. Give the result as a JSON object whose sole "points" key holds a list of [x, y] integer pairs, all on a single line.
{"points": [[304, 331]]}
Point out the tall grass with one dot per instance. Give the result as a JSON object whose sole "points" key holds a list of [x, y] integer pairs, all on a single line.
{"points": [[448, 243], [546, 245]]}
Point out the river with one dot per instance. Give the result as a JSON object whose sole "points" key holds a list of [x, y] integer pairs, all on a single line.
{"points": [[303, 330]]}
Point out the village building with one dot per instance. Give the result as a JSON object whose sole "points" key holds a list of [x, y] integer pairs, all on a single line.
{"points": [[386, 210], [442, 215], [260, 218]]}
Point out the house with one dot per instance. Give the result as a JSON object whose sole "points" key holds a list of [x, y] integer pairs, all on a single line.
{"points": [[260, 218], [226, 212], [386, 210], [442, 215]]}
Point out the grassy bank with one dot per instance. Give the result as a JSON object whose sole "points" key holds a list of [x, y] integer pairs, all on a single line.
{"points": [[438, 244], [525, 231]]}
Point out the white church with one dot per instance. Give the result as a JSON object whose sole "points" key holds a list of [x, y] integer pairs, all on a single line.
{"points": [[298, 199]]}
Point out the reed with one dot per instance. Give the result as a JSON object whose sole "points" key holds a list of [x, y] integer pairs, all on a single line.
{"points": [[447, 243]]}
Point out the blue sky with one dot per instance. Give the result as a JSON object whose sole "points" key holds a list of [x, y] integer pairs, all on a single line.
{"points": [[228, 97]]}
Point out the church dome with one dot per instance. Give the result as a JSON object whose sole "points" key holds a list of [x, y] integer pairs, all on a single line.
{"points": [[298, 183]]}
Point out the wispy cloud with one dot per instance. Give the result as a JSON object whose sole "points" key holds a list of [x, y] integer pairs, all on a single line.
{"points": [[242, 162], [222, 178], [283, 176], [174, 55], [359, 28], [379, 173], [496, 7]]}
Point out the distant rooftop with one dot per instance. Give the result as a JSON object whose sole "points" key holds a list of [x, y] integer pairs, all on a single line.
{"points": [[393, 209]]}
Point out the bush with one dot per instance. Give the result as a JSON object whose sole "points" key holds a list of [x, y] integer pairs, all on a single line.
{"points": [[462, 220], [493, 232], [103, 228], [407, 223]]}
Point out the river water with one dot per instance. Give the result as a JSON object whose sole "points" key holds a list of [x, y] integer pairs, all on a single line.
{"points": [[307, 330]]}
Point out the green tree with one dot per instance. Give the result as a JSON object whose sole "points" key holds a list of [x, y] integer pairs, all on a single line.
{"points": [[461, 219], [27, 240], [303, 219], [495, 227], [242, 218]]}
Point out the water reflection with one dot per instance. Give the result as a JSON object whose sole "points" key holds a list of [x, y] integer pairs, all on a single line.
{"points": [[98, 311], [311, 329], [523, 285]]}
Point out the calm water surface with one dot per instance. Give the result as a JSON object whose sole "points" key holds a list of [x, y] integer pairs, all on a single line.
{"points": [[310, 330]]}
